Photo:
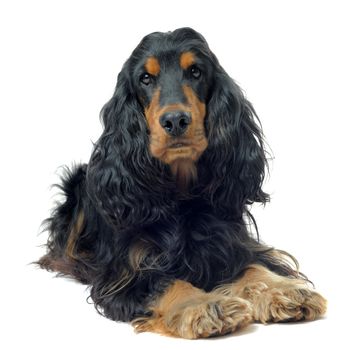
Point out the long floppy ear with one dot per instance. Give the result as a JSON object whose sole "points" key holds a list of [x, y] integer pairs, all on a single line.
{"points": [[235, 155], [123, 179]]}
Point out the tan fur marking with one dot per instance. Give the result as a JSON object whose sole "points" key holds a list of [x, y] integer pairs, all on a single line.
{"points": [[185, 172], [276, 298], [187, 59], [142, 255], [74, 234], [188, 312], [116, 286], [137, 253], [152, 66], [181, 160]]}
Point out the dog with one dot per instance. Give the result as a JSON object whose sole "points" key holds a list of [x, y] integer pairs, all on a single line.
{"points": [[157, 223]]}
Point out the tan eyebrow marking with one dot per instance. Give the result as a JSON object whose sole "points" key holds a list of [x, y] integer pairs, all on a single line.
{"points": [[187, 59], [152, 66]]}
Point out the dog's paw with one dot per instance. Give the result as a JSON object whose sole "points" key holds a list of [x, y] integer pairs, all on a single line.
{"points": [[288, 304], [215, 316]]}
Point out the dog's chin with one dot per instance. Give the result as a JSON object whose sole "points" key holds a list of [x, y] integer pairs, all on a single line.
{"points": [[181, 159], [185, 172], [181, 155]]}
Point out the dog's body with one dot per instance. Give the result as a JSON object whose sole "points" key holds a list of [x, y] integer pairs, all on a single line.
{"points": [[156, 222]]}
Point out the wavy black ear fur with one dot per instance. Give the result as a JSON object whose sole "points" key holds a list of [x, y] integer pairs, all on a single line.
{"points": [[127, 185], [236, 147]]}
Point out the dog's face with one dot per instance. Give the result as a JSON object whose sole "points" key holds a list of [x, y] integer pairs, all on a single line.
{"points": [[172, 81]]}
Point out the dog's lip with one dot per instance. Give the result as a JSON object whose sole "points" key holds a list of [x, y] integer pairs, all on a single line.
{"points": [[178, 144]]}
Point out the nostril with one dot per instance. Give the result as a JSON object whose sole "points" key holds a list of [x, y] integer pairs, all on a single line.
{"points": [[168, 125], [166, 122], [183, 123]]}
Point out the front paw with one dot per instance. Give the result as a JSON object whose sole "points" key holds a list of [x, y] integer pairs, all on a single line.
{"points": [[217, 315], [288, 304], [211, 316]]}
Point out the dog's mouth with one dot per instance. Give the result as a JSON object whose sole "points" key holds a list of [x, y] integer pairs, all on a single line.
{"points": [[178, 144], [178, 148], [181, 154]]}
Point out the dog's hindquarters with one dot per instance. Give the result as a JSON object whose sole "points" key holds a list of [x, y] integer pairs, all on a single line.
{"points": [[67, 252]]}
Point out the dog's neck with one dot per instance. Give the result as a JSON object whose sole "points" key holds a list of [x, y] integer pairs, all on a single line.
{"points": [[185, 173]]}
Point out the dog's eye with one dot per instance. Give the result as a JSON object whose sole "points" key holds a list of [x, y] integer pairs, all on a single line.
{"points": [[145, 79], [195, 72]]}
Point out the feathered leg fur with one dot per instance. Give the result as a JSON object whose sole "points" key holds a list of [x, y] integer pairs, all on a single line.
{"points": [[259, 295]]}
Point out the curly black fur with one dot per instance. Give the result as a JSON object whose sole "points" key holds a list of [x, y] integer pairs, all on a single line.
{"points": [[126, 229]]}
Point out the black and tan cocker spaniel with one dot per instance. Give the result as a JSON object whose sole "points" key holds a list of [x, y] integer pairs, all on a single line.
{"points": [[157, 223]]}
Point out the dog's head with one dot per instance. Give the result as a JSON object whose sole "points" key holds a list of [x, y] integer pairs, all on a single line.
{"points": [[171, 74], [176, 109]]}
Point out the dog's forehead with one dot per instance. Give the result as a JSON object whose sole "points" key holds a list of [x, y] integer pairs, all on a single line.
{"points": [[158, 62], [178, 49]]}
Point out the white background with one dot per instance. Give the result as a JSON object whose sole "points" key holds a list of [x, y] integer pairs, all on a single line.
{"points": [[59, 63]]}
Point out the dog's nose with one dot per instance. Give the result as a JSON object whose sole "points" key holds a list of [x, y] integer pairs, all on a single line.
{"points": [[175, 123]]}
